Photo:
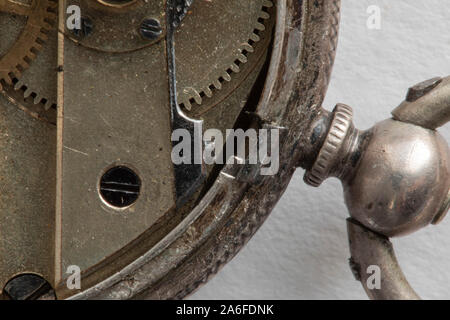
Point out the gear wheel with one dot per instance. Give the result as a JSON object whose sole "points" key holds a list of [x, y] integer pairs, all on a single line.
{"points": [[217, 59], [210, 68], [38, 84], [40, 14]]}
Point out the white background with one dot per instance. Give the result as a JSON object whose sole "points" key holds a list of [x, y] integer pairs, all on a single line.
{"points": [[301, 251]]}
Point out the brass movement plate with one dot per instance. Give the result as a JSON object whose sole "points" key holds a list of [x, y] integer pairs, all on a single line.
{"points": [[87, 178]]}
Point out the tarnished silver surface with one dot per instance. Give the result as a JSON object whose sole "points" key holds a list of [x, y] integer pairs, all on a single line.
{"points": [[396, 179], [430, 105], [367, 249], [402, 179]]}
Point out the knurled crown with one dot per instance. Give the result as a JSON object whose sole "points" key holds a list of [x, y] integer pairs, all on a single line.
{"points": [[329, 153]]}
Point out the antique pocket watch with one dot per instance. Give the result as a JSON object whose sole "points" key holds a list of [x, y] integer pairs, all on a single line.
{"points": [[119, 178]]}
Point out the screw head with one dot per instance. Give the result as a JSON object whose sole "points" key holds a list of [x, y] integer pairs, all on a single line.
{"points": [[120, 187], [27, 287], [87, 26], [150, 29]]}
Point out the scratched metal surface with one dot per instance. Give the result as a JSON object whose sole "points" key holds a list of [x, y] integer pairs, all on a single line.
{"points": [[301, 251]]}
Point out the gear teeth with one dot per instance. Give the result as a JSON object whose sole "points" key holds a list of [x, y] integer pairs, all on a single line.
{"points": [[37, 99], [235, 68], [254, 37], [48, 105], [226, 76], [264, 15], [42, 37], [27, 93], [259, 26], [187, 105], [24, 64], [37, 46], [242, 58], [19, 85], [193, 95], [217, 84], [198, 99], [13, 74], [247, 47], [15, 61], [208, 92], [31, 55]]}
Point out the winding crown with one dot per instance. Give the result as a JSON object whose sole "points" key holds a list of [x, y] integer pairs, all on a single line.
{"points": [[339, 128]]}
